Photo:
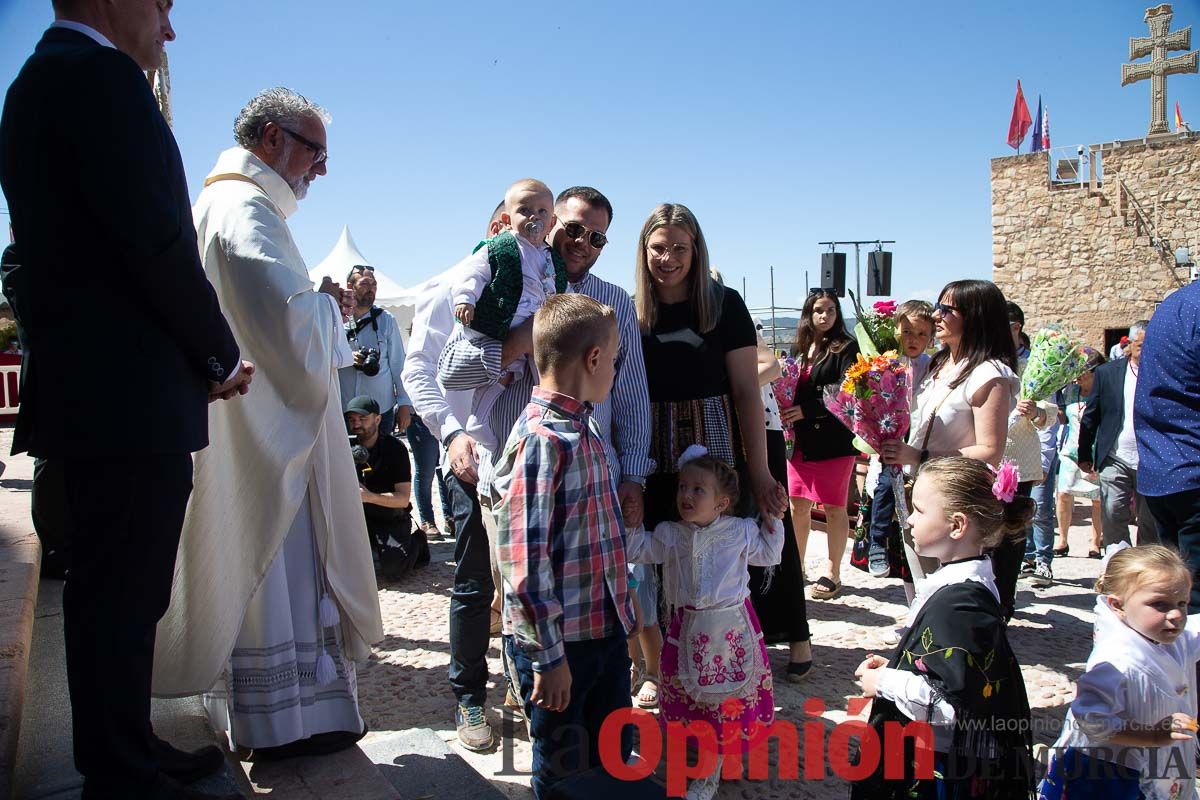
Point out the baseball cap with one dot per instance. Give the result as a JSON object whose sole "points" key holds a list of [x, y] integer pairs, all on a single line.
{"points": [[363, 404]]}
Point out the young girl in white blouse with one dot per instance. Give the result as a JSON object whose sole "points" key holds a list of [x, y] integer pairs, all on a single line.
{"points": [[1130, 730], [714, 663], [954, 668]]}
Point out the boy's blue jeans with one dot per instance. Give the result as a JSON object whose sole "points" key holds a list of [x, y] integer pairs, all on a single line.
{"points": [[883, 514], [1040, 545], [566, 742]]}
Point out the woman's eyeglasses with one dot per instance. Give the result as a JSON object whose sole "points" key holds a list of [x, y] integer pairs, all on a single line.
{"points": [[576, 231]]}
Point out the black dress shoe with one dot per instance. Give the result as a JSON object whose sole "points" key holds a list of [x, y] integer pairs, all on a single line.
{"points": [[165, 788], [320, 744], [187, 767]]}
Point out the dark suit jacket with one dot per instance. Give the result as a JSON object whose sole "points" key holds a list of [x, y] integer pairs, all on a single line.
{"points": [[121, 329], [820, 435], [1104, 415]]}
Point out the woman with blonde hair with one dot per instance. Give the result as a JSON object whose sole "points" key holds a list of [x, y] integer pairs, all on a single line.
{"points": [[701, 368]]}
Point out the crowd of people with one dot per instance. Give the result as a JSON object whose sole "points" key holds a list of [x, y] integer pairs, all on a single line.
{"points": [[614, 471]]}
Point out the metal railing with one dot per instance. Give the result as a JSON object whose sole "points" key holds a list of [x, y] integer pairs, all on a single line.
{"points": [[1077, 167]]}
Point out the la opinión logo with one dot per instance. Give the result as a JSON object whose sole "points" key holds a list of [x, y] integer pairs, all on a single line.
{"points": [[824, 750]]}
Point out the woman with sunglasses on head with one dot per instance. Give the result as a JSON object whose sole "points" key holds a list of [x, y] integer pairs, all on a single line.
{"points": [[962, 406], [823, 462], [701, 356]]}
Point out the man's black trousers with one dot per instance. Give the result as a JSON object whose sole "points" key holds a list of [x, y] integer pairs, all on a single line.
{"points": [[127, 516]]}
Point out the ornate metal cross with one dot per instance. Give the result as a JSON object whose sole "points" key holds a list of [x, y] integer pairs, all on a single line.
{"points": [[1157, 46]]}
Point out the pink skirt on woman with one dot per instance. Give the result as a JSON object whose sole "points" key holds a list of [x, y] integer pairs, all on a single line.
{"points": [[750, 715], [826, 482]]}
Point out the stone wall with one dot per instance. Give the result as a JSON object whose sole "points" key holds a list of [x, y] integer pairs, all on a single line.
{"points": [[1068, 255]]}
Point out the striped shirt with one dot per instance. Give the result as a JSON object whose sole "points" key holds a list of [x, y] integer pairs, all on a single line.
{"points": [[559, 536], [624, 418]]}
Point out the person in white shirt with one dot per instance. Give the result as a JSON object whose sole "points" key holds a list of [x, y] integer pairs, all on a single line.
{"points": [[962, 405], [1134, 707]]}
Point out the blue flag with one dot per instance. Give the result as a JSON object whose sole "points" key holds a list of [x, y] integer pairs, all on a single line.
{"points": [[1036, 140]]}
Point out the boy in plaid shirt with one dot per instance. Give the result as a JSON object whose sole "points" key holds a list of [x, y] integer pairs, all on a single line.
{"points": [[560, 545]]}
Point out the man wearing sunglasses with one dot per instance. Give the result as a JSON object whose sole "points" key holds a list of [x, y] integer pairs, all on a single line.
{"points": [[276, 528], [579, 236]]}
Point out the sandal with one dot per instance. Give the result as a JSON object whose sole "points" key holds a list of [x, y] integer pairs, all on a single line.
{"points": [[796, 670], [1061, 552], [1094, 554], [825, 589], [647, 696]]}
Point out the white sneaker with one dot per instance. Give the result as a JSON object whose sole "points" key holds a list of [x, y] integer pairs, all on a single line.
{"points": [[473, 729], [705, 788], [1042, 576]]}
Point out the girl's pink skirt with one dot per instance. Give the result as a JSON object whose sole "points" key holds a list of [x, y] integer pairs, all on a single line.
{"points": [[749, 715]]}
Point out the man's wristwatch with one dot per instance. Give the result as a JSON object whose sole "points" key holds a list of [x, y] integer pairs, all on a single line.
{"points": [[450, 437]]}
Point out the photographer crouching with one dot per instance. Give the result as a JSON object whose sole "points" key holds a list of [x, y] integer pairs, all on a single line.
{"points": [[385, 479]]}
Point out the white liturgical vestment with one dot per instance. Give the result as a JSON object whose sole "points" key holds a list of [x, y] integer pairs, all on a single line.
{"points": [[275, 520]]}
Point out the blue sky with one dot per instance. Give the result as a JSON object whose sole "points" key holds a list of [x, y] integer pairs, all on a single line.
{"points": [[779, 124]]}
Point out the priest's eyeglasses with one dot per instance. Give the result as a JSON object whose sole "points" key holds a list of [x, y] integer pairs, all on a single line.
{"points": [[574, 230], [320, 154]]}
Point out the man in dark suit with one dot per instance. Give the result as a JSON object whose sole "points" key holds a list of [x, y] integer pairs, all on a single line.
{"points": [[1107, 444], [101, 216]]}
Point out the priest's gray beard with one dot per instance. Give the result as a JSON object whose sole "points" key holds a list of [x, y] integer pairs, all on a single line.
{"points": [[299, 186]]}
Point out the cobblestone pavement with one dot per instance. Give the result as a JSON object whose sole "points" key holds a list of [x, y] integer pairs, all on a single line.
{"points": [[404, 685]]}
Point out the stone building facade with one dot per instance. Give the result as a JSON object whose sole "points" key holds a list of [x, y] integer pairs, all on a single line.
{"points": [[1097, 255]]}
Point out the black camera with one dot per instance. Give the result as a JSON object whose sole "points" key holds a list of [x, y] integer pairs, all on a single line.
{"points": [[360, 454], [370, 355], [370, 362]]}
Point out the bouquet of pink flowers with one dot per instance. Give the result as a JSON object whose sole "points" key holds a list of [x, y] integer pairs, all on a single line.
{"points": [[876, 330], [874, 402], [785, 394]]}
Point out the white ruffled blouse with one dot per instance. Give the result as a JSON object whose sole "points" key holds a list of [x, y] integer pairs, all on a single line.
{"points": [[706, 567], [1132, 679]]}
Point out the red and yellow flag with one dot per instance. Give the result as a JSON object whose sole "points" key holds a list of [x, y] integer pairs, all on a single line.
{"points": [[1178, 118]]}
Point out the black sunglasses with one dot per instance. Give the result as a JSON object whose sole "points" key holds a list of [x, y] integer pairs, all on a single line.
{"points": [[576, 231], [945, 308], [320, 154]]}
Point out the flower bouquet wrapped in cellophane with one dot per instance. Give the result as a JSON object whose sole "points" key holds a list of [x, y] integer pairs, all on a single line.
{"points": [[876, 329], [785, 394], [1055, 359], [874, 402]]}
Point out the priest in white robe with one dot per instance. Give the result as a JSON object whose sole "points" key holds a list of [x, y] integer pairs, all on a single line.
{"points": [[275, 595]]}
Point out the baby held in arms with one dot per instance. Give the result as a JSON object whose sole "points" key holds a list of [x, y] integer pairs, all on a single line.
{"points": [[504, 282]]}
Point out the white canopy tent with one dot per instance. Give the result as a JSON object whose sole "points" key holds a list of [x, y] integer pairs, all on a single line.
{"points": [[390, 295]]}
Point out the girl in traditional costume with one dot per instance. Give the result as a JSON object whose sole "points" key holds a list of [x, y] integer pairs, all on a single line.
{"points": [[954, 668], [1130, 731], [714, 662]]}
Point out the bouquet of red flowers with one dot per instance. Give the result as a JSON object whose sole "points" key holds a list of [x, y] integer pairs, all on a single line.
{"points": [[874, 402]]}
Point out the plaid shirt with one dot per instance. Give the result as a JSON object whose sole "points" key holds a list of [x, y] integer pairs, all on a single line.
{"points": [[560, 539]]}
